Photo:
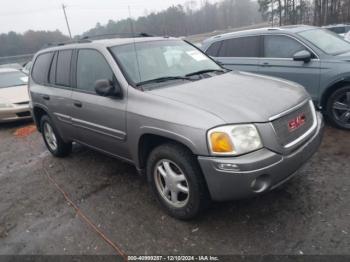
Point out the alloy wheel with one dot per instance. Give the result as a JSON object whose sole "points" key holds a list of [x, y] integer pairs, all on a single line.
{"points": [[341, 108], [50, 136], [171, 183]]}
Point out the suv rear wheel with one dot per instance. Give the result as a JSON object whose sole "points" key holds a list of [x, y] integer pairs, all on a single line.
{"points": [[338, 108], [176, 179], [53, 141]]}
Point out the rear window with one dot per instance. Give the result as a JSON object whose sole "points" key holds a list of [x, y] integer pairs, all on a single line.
{"points": [[41, 68], [63, 68], [9, 79], [338, 30], [240, 47]]}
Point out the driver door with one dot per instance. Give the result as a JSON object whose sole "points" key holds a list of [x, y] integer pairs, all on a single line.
{"points": [[277, 61], [99, 122]]}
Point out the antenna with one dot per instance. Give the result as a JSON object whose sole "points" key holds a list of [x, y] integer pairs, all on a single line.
{"points": [[65, 16], [134, 43]]}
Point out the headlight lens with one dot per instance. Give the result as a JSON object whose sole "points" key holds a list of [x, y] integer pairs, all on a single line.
{"points": [[5, 104], [234, 140]]}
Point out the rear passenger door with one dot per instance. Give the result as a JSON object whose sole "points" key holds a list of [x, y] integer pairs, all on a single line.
{"points": [[52, 72], [241, 53], [100, 122], [278, 52]]}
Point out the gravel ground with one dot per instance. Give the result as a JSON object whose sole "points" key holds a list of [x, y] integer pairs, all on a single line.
{"points": [[311, 215]]}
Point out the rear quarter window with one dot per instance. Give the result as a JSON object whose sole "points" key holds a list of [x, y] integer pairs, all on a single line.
{"points": [[41, 68], [63, 68], [240, 47]]}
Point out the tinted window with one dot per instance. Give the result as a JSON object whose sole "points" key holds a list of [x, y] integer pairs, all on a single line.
{"points": [[63, 68], [338, 30], [240, 47], [91, 67], [41, 68], [281, 46], [213, 50]]}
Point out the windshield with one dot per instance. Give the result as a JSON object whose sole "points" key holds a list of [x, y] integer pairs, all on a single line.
{"points": [[9, 79], [161, 59], [327, 41]]}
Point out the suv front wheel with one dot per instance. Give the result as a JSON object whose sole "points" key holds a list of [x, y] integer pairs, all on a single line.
{"points": [[176, 179], [338, 108]]}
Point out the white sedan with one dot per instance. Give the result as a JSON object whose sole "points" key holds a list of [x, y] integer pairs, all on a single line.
{"points": [[347, 36], [14, 98]]}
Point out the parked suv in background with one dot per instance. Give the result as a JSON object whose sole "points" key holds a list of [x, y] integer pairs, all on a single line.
{"points": [[198, 131], [340, 29], [310, 56]]}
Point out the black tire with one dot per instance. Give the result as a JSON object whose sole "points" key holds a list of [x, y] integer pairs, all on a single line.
{"points": [[339, 118], [62, 149], [198, 197]]}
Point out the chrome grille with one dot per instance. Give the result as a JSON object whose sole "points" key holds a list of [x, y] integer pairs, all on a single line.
{"points": [[283, 131]]}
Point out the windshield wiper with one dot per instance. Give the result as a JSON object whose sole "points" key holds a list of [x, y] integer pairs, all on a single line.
{"points": [[163, 79], [206, 71]]}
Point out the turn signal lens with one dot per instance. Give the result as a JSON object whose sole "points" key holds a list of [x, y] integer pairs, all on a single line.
{"points": [[220, 142]]}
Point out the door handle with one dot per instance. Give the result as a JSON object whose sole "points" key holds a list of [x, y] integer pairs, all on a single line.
{"points": [[77, 103], [46, 97]]}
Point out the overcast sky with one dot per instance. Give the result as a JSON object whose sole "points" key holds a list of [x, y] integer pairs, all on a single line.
{"points": [[20, 16]]}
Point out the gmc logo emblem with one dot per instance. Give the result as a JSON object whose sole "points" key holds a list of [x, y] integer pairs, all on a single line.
{"points": [[297, 122]]}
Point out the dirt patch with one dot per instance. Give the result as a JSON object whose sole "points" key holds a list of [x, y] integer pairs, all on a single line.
{"points": [[25, 131]]}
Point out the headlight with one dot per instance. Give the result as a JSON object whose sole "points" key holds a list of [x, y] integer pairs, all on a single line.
{"points": [[234, 139], [5, 104]]}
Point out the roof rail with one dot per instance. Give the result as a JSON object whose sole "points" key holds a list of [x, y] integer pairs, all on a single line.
{"points": [[67, 43], [119, 35], [88, 39]]}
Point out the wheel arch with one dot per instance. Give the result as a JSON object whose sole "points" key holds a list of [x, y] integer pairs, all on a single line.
{"points": [[148, 141], [38, 113], [330, 89]]}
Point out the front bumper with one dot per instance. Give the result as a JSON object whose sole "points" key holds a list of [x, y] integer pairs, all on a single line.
{"points": [[15, 113], [257, 172]]}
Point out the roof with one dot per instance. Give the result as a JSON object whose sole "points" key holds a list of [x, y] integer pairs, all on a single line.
{"points": [[104, 42], [270, 30], [8, 70]]}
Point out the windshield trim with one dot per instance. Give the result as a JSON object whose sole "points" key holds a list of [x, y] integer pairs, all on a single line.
{"points": [[126, 75], [327, 32]]}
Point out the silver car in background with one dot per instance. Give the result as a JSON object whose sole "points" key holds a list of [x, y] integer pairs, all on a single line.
{"points": [[14, 97], [314, 57]]}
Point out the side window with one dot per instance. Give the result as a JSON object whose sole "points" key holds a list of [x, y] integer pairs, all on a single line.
{"points": [[213, 50], [41, 68], [92, 66], [240, 47], [281, 47], [63, 68]]}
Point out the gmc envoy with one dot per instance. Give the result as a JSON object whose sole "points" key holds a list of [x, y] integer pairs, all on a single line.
{"points": [[198, 131]]}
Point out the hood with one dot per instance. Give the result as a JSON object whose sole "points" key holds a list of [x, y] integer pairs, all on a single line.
{"points": [[238, 97], [15, 94]]}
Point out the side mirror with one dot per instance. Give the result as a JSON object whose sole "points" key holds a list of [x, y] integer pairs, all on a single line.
{"points": [[303, 55], [105, 87]]}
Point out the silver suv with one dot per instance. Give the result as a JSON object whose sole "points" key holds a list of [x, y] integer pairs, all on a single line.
{"points": [[313, 57], [198, 131]]}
